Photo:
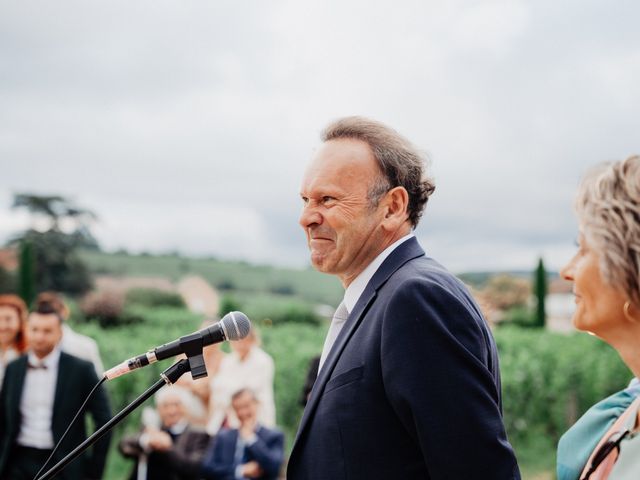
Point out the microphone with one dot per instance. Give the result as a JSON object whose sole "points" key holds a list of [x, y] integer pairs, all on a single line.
{"points": [[233, 326]]}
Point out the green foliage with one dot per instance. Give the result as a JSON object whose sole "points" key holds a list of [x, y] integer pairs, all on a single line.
{"points": [[58, 268], [108, 309], [540, 290], [293, 313], [26, 273], [549, 380], [57, 265], [152, 297], [226, 285], [56, 208], [7, 281], [519, 316], [282, 289], [228, 304]]}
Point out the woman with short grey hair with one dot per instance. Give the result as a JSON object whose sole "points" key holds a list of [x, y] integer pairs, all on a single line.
{"points": [[605, 271]]}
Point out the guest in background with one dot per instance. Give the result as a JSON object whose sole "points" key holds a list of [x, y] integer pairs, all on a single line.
{"points": [[13, 330], [74, 343], [172, 450], [250, 451], [248, 366], [41, 393], [604, 442]]}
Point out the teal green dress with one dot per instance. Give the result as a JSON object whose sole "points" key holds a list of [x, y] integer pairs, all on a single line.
{"points": [[577, 444]]}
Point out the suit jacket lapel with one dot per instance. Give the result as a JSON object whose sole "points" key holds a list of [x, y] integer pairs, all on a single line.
{"points": [[62, 383], [406, 251], [21, 365]]}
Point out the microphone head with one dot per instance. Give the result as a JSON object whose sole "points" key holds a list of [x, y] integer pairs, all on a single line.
{"points": [[236, 325]]}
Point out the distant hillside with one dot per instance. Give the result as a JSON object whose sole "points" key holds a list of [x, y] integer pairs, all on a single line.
{"points": [[479, 279], [240, 278], [245, 280]]}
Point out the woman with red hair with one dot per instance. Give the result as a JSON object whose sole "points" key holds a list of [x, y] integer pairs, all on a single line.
{"points": [[13, 330]]}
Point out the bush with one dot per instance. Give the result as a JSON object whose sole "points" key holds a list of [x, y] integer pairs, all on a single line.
{"points": [[7, 281], [152, 297], [296, 313], [282, 289], [226, 285], [519, 316], [107, 308], [228, 304]]}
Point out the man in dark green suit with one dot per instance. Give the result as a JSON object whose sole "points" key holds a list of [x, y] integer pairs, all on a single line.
{"points": [[41, 393]]}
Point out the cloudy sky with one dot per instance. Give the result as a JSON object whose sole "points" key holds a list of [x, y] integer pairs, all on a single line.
{"points": [[186, 125]]}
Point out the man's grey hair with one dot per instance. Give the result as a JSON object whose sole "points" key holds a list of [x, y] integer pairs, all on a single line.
{"points": [[608, 208], [401, 164], [171, 391]]}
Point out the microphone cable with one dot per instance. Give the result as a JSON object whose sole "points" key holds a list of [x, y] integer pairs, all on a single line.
{"points": [[80, 410]]}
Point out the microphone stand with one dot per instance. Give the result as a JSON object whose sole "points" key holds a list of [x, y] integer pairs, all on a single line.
{"points": [[169, 376]]}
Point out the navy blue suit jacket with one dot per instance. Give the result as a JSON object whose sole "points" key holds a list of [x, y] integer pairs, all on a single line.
{"points": [[268, 451], [411, 387]]}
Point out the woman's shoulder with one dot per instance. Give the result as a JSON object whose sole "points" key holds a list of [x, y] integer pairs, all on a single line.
{"points": [[576, 445]]}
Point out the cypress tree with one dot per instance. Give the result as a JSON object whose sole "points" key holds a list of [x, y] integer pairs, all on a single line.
{"points": [[540, 291], [26, 274]]}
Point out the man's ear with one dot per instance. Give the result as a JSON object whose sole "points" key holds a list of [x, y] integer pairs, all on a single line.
{"points": [[395, 204]]}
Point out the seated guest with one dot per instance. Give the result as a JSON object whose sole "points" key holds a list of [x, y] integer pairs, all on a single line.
{"points": [[13, 330], [41, 393], [250, 451], [172, 452]]}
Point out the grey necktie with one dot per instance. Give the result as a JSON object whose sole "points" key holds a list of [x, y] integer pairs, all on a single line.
{"points": [[339, 318]]}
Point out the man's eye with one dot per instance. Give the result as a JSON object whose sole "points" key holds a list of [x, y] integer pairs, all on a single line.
{"points": [[327, 199], [305, 200]]}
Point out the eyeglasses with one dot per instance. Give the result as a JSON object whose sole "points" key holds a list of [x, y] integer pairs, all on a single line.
{"points": [[613, 443]]}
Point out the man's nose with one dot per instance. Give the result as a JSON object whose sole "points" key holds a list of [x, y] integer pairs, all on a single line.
{"points": [[309, 216]]}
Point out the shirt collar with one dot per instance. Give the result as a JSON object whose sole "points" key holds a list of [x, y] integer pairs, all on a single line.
{"points": [[180, 427], [50, 361], [355, 289]]}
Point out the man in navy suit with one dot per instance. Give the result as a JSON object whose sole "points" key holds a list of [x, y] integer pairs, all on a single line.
{"points": [[408, 384], [249, 452]]}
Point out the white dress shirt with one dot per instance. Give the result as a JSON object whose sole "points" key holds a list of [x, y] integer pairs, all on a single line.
{"points": [[353, 293], [36, 404]]}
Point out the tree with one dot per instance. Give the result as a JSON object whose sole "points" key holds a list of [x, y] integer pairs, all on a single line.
{"points": [[57, 210], [506, 291], [540, 291], [54, 251], [26, 273]]}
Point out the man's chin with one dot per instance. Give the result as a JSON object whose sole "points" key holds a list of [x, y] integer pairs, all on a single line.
{"points": [[320, 263]]}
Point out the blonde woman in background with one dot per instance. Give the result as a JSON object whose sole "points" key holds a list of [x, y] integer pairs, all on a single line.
{"points": [[605, 442], [13, 330]]}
